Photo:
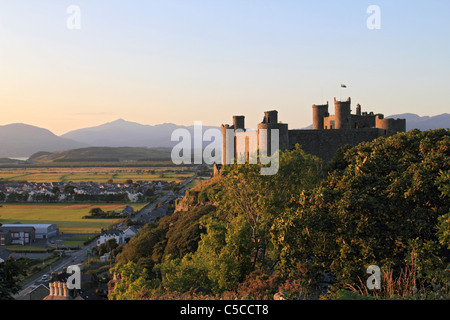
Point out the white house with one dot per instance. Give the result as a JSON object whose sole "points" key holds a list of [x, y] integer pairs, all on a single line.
{"points": [[111, 234]]}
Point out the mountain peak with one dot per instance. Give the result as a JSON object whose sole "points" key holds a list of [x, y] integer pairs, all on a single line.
{"points": [[120, 120], [22, 140]]}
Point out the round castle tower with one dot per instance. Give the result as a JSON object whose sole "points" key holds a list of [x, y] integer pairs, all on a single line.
{"points": [[319, 112], [342, 112], [270, 122]]}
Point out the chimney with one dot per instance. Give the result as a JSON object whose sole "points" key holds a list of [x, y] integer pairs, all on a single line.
{"points": [[58, 288], [50, 286], [65, 291]]}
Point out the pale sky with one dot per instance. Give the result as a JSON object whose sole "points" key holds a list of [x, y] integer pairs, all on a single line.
{"points": [[206, 60]]}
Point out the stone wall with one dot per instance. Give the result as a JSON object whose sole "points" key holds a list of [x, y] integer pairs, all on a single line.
{"points": [[324, 143]]}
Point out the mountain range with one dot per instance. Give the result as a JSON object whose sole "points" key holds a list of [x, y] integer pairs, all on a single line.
{"points": [[22, 140], [413, 121], [121, 133]]}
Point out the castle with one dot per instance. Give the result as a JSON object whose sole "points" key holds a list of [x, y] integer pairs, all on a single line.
{"points": [[329, 132]]}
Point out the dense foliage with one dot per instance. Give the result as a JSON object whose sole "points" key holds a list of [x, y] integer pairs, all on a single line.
{"points": [[306, 231], [10, 273]]}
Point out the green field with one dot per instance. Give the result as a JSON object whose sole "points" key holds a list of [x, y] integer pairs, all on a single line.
{"points": [[67, 217], [98, 175]]}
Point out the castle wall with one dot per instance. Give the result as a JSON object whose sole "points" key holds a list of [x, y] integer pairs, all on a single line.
{"points": [[246, 146], [283, 134], [329, 132], [324, 143], [391, 125], [329, 123], [362, 121]]}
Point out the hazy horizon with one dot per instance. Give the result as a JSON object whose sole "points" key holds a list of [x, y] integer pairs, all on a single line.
{"points": [[179, 61], [249, 126]]}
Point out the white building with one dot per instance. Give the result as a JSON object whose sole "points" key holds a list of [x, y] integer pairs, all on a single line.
{"points": [[121, 237], [111, 234], [43, 231]]}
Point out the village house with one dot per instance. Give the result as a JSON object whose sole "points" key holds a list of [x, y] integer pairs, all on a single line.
{"points": [[121, 237], [106, 235], [129, 233], [42, 192]]}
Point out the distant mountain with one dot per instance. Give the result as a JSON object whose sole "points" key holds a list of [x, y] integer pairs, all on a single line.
{"points": [[121, 133], [414, 121], [22, 140], [102, 154]]}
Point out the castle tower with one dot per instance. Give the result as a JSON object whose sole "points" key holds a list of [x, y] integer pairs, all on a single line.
{"points": [[270, 122], [342, 114], [319, 112], [358, 109], [270, 117], [390, 125], [239, 122], [224, 129]]}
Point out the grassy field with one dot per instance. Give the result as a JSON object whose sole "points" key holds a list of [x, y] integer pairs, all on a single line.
{"points": [[99, 175], [194, 182], [67, 217]]}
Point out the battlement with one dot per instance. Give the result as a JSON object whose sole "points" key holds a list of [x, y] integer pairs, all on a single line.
{"points": [[344, 119], [328, 134]]}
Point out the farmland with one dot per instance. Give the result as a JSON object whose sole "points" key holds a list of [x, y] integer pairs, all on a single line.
{"points": [[95, 174], [68, 217]]}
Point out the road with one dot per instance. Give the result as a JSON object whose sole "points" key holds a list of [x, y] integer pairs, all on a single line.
{"points": [[80, 255], [145, 214], [72, 257]]}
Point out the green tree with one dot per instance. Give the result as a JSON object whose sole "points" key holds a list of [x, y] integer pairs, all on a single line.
{"points": [[369, 211], [96, 212], [133, 281], [69, 189], [263, 200], [240, 234], [443, 183], [10, 273]]}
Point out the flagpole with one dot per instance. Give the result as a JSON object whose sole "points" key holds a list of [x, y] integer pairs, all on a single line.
{"points": [[340, 90]]}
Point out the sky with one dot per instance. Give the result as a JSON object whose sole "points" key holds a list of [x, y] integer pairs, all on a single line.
{"points": [[182, 61]]}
